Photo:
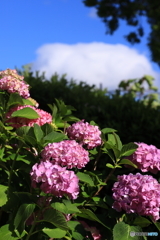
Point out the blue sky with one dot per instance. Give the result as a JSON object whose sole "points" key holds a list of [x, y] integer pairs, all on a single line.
{"points": [[31, 30]]}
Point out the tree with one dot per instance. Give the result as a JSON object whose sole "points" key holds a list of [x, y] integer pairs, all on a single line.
{"points": [[112, 11]]}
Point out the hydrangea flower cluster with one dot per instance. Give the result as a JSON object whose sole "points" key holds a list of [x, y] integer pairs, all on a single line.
{"points": [[137, 194], [66, 153], [85, 134], [146, 157], [17, 122], [55, 179], [13, 83]]}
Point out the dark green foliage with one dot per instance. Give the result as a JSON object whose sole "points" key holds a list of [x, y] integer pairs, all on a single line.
{"points": [[133, 120], [112, 12]]}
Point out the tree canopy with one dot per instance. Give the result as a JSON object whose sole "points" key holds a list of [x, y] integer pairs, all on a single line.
{"points": [[112, 11]]}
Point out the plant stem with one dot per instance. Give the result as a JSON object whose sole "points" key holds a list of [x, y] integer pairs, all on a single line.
{"points": [[12, 168], [106, 180], [97, 159], [31, 230]]}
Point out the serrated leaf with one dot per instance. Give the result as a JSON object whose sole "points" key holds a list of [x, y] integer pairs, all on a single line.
{"points": [[54, 233], [127, 162], [117, 141], [3, 195], [14, 99], [124, 232], [77, 236], [128, 149], [26, 112], [6, 234], [85, 178], [71, 208], [22, 130], [93, 151], [54, 137], [108, 130], [60, 207], [157, 224], [38, 132], [86, 213], [28, 102], [30, 140], [56, 218], [77, 229], [142, 221], [23, 213]]}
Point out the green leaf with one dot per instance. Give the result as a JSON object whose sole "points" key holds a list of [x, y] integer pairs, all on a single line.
{"points": [[2, 153], [128, 162], [31, 140], [142, 221], [116, 152], [14, 99], [108, 130], [60, 207], [109, 165], [54, 137], [122, 231], [71, 208], [22, 130], [54, 233], [23, 213], [6, 234], [93, 151], [56, 218], [26, 112], [38, 132], [157, 224], [128, 149], [77, 236], [117, 141], [27, 102], [86, 213], [3, 195], [77, 229], [85, 178]]}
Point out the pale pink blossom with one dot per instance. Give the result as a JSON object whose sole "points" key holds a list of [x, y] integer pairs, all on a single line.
{"points": [[146, 157], [137, 194], [66, 153], [13, 83], [85, 134], [55, 180], [17, 122]]}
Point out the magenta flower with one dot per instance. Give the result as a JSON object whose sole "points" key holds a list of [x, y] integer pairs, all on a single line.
{"points": [[66, 153], [13, 83], [137, 194], [85, 134], [55, 180], [17, 122], [94, 231], [146, 157]]}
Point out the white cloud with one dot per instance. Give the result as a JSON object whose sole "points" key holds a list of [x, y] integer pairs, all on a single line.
{"points": [[94, 62]]}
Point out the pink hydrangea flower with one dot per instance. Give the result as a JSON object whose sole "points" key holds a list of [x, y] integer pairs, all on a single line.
{"points": [[55, 180], [146, 157], [12, 73], [66, 153], [94, 231], [17, 122], [13, 83], [137, 194], [85, 134]]}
